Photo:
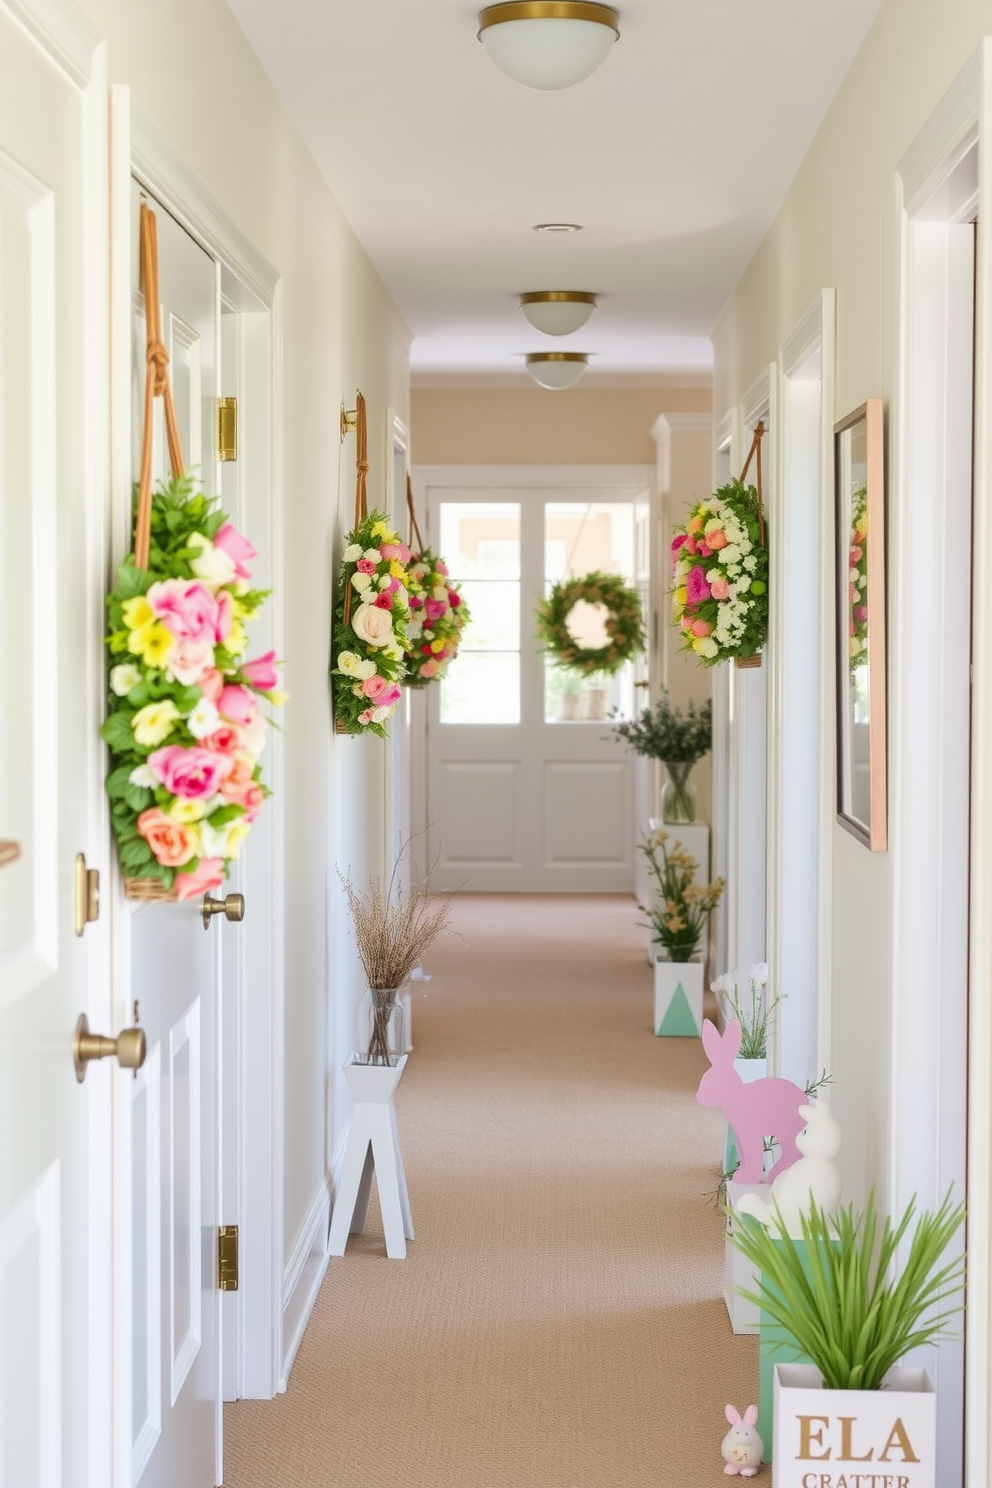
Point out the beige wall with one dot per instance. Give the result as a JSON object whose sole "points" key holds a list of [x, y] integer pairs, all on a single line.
{"points": [[837, 228], [533, 426], [191, 70]]}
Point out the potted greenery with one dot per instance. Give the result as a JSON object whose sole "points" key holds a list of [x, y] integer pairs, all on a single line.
{"points": [[854, 1302], [678, 919], [677, 739]]}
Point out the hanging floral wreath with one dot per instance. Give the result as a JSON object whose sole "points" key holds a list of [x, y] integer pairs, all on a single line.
{"points": [[720, 573], [624, 623], [858, 578], [370, 636], [183, 725], [438, 615]]}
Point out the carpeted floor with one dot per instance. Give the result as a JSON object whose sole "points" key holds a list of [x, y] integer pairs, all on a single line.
{"points": [[559, 1321]]}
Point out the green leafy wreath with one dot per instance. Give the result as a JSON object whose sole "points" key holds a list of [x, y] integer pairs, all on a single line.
{"points": [[624, 623]]}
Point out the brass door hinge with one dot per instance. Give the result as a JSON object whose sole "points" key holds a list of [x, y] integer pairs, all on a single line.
{"points": [[87, 894], [227, 428], [227, 1258]]}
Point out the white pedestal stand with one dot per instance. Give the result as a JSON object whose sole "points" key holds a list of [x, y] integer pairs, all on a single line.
{"points": [[373, 1145]]}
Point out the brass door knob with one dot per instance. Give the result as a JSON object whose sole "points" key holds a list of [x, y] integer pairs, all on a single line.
{"points": [[129, 1047], [232, 907]]}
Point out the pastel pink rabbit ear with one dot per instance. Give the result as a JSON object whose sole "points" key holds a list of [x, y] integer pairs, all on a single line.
{"points": [[751, 1415], [712, 1042], [732, 1040], [734, 1416]]}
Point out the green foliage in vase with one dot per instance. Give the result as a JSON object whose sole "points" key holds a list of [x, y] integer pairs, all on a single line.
{"points": [[666, 733], [841, 1294]]}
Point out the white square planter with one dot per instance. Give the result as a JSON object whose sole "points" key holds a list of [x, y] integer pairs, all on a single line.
{"points": [[854, 1438], [739, 1272], [678, 999]]}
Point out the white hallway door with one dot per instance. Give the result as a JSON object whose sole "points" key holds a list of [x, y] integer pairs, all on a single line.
{"points": [[175, 969], [526, 789], [55, 1157]]}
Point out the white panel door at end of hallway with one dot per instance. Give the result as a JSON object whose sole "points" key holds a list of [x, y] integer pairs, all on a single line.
{"points": [[55, 1162], [173, 1105]]}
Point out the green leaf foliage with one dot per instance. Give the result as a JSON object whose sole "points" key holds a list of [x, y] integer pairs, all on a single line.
{"points": [[666, 733], [624, 624]]}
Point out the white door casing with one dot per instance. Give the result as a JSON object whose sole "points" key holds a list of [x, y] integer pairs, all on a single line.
{"points": [[535, 806], [55, 1200]]}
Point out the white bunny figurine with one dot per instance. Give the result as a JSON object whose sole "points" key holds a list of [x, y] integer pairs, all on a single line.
{"points": [[742, 1447], [813, 1176]]}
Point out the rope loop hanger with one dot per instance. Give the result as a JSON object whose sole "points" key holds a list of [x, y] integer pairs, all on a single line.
{"points": [[157, 385], [414, 529], [754, 453], [361, 475]]}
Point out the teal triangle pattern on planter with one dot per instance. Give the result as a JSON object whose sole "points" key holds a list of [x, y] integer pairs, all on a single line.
{"points": [[678, 1021]]}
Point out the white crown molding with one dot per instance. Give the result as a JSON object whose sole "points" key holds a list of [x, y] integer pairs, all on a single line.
{"points": [[668, 424], [62, 31], [949, 134]]}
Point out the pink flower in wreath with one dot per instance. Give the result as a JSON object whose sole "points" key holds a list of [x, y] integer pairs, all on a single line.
{"points": [[237, 548], [365, 565], [195, 773], [261, 672], [365, 717], [208, 874], [434, 609], [701, 628], [677, 543], [189, 662], [691, 545], [226, 739], [168, 839], [398, 551], [389, 698], [374, 687], [861, 612], [187, 609], [696, 586], [255, 734], [384, 601], [441, 568], [237, 704], [429, 669], [416, 603], [212, 685], [720, 588], [716, 540], [454, 599], [253, 800], [240, 776]]}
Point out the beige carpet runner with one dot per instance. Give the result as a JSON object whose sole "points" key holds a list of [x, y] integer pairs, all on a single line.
{"points": [[559, 1320]]}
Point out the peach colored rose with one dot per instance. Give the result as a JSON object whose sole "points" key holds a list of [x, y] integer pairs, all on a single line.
{"points": [[716, 540], [190, 661], [226, 739], [170, 842], [239, 777], [700, 628], [212, 685], [208, 874], [373, 626], [720, 588], [252, 801]]}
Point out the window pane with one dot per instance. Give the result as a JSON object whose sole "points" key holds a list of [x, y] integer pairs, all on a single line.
{"points": [[482, 687], [494, 623], [481, 540]]}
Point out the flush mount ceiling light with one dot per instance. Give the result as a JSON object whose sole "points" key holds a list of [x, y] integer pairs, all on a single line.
{"points": [[548, 43], [558, 312], [558, 227], [556, 369]]}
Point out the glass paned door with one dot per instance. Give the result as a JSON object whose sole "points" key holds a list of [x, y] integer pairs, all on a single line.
{"points": [[480, 542]]}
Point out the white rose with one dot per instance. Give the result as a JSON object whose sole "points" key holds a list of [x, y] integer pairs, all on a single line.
{"points": [[144, 776], [203, 719], [352, 552], [123, 678], [360, 581], [349, 663], [379, 715], [366, 669], [385, 580], [373, 555], [212, 565], [372, 625]]}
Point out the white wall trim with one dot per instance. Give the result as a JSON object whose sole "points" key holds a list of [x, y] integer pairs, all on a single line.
{"points": [[677, 423], [303, 1275], [936, 1035], [598, 476], [61, 30]]}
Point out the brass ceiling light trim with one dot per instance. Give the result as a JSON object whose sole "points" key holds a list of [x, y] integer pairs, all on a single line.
{"points": [[548, 43], [556, 369], [558, 312]]}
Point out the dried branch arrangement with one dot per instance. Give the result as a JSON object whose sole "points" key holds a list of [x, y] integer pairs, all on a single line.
{"points": [[393, 932]]}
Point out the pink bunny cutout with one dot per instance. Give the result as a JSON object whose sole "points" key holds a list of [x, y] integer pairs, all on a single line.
{"points": [[763, 1108], [742, 1447]]}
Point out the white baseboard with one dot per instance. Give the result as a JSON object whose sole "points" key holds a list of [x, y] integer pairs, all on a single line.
{"points": [[302, 1276]]}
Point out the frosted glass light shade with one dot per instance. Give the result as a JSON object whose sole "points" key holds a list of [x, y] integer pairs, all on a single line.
{"points": [[548, 43], [558, 312], [556, 369]]}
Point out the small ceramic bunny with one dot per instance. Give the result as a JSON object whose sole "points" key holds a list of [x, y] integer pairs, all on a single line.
{"points": [[814, 1176], [742, 1447]]}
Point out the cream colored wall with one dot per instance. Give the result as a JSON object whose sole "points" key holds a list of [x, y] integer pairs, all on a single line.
{"points": [[191, 70], [837, 228], [533, 426]]}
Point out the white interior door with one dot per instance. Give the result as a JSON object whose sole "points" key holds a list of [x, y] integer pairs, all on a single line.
{"points": [[55, 1161], [527, 791], [175, 973]]}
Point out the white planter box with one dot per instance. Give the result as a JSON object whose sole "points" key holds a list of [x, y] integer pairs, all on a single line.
{"points": [[854, 1438], [739, 1272], [678, 999]]}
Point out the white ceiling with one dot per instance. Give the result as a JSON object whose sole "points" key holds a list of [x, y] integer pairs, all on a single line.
{"points": [[674, 157]]}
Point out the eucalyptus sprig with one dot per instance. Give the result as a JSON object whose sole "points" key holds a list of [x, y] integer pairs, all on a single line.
{"points": [[666, 733], [840, 1295]]}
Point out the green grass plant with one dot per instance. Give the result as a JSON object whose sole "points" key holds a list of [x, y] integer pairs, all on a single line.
{"points": [[841, 1296]]}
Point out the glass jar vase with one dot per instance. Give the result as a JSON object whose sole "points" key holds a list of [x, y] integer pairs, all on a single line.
{"points": [[678, 794]]}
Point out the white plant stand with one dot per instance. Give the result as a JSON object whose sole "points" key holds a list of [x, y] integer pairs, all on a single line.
{"points": [[739, 1272], [678, 999], [373, 1146]]}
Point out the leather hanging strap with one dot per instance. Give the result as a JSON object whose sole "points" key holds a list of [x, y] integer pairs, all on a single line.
{"points": [[754, 453], [414, 529], [156, 385], [361, 474]]}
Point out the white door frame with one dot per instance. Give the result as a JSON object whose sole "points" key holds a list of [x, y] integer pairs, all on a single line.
{"points": [[138, 150], [801, 710], [723, 851], [938, 1034]]}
